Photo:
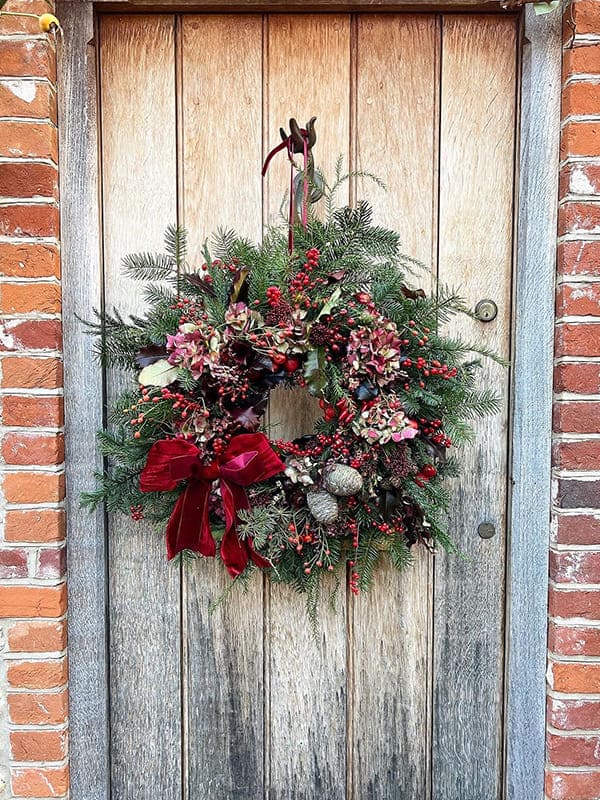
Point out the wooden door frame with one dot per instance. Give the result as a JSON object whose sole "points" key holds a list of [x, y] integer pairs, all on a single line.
{"points": [[530, 475]]}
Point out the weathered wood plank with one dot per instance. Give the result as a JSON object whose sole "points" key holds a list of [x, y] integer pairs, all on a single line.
{"points": [[475, 253], [221, 149], [82, 291], [397, 120], [533, 336], [139, 201], [307, 73]]}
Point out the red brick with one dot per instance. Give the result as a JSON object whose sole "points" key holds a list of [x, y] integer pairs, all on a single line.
{"points": [[43, 334], [579, 216], [577, 417], [29, 448], [37, 674], [578, 378], [29, 412], [582, 59], [577, 339], [38, 709], [32, 601], [28, 57], [573, 785], [40, 781], [580, 178], [580, 139], [577, 455], [577, 493], [45, 525], [37, 637], [581, 98], [29, 220], [28, 139], [52, 563], [586, 16], [15, 94], [28, 179], [580, 300], [25, 24], [13, 564], [29, 260], [575, 566], [38, 745], [578, 529], [34, 487], [576, 678], [574, 603], [574, 641], [34, 373], [573, 751], [27, 298], [579, 258]]}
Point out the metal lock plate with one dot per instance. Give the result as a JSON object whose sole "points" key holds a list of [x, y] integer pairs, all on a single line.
{"points": [[486, 310], [486, 530]]}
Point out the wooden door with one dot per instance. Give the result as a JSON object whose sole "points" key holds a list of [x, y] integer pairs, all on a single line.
{"points": [[402, 697]]}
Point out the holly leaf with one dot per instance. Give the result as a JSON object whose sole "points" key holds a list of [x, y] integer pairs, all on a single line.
{"points": [[329, 305], [160, 373], [314, 373], [150, 354]]}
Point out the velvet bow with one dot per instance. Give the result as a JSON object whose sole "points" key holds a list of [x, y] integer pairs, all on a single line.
{"points": [[248, 459]]}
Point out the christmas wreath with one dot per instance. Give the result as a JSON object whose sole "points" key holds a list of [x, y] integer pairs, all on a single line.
{"points": [[334, 316]]}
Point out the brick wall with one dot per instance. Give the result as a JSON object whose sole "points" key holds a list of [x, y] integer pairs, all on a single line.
{"points": [[33, 677], [573, 771]]}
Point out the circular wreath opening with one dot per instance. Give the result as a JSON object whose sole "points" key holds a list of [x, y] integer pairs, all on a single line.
{"points": [[337, 317]]}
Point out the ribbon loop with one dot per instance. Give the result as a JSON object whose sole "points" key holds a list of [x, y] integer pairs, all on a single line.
{"points": [[248, 459]]}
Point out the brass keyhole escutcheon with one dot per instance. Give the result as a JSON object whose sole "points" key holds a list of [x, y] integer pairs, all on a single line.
{"points": [[486, 310]]}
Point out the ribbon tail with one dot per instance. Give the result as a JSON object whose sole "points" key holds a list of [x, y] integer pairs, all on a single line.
{"points": [[189, 526], [236, 552]]}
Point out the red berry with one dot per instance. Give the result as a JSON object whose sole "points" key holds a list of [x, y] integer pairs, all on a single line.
{"points": [[429, 471]]}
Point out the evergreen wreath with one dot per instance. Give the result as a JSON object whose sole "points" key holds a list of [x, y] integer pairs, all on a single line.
{"points": [[335, 316]]}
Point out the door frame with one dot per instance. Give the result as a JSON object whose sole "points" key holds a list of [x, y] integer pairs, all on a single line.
{"points": [[532, 361]]}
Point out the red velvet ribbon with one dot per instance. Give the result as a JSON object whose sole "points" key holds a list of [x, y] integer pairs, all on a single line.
{"points": [[288, 144], [248, 459]]}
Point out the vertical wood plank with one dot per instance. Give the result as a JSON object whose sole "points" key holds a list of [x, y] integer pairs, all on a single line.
{"points": [[139, 201], [307, 74], [532, 419], [475, 253], [396, 129], [82, 292], [221, 101]]}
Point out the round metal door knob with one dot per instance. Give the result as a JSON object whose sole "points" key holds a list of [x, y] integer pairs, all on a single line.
{"points": [[486, 530], [486, 310]]}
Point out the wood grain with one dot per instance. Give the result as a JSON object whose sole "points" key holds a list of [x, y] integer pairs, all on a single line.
{"points": [[81, 293], [221, 148], [397, 69], [475, 253], [307, 74], [533, 336], [139, 201]]}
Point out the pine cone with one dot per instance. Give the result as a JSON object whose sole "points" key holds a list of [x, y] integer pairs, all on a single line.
{"points": [[323, 506], [278, 313], [343, 481]]}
